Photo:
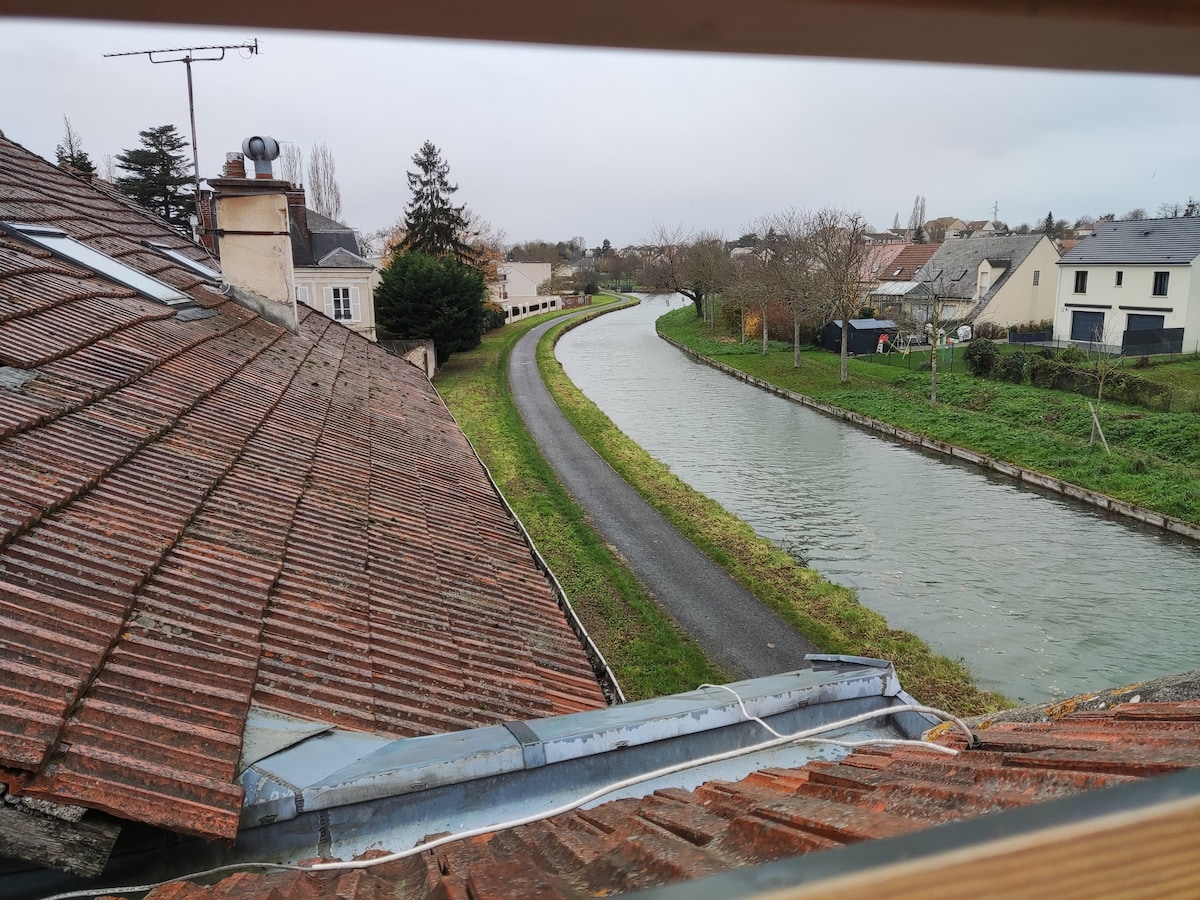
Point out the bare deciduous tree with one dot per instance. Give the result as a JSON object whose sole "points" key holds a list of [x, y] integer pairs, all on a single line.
{"points": [[291, 162], [696, 265], [840, 259], [324, 195], [786, 267], [487, 241]]}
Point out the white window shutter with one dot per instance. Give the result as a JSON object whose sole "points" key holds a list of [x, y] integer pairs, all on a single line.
{"points": [[302, 294], [328, 301], [355, 306]]}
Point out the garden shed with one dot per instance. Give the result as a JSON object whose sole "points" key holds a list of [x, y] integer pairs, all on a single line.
{"points": [[864, 334]]}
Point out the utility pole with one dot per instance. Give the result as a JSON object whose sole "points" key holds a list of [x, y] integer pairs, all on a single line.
{"points": [[213, 53]]}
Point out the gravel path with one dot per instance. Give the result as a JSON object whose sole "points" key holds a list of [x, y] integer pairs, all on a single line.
{"points": [[734, 628]]}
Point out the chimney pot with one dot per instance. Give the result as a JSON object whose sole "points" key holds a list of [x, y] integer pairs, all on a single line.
{"points": [[235, 165]]}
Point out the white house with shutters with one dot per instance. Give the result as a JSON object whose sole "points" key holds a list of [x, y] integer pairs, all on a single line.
{"points": [[342, 285], [330, 274], [1132, 286]]}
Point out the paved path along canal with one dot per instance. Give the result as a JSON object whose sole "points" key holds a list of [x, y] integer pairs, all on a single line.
{"points": [[732, 626], [1043, 597]]}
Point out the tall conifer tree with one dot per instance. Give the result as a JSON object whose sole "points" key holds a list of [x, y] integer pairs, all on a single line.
{"points": [[159, 174], [433, 225]]}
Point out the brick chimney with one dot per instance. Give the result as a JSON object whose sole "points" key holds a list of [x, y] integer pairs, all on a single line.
{"points": [[253, 236]]}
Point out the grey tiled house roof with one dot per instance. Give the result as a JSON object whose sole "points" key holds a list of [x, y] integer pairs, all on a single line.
{"points": [[1148, 242]]}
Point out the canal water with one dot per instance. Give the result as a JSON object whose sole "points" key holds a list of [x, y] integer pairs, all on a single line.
{"points": [[1041, 596]]}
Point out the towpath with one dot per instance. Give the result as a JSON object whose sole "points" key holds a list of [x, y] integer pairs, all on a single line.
{"points": [[733, 627]]}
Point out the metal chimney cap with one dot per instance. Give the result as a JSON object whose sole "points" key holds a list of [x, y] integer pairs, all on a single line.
{"points": [[261, 149]]}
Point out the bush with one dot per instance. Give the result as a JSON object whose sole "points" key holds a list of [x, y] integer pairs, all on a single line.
{"points": [[981, 357], [1072, 356], [1011, 367], [990, 330], [1032, 327], [421, 296], [495, 317]]}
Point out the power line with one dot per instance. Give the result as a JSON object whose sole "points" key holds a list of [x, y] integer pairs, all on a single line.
{"points": [[213, 53]]}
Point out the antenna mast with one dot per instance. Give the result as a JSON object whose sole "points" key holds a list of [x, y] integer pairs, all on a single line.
{"points": [[213, 53]]}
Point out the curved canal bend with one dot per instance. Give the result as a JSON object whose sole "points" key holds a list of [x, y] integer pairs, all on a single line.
{"points": [[1043, 597]]}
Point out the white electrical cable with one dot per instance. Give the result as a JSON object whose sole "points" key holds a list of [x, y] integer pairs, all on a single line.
{"points": [[778, 740], [897, 741]]}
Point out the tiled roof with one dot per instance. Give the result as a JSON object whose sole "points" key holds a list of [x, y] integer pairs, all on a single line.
{"points": [[958, 262], [877, 260], [673, 835], [904, 266], [200, 512], [1165, 242]]}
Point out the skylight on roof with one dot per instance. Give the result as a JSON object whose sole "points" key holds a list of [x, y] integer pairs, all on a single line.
{"points": [[62, 245], [186, 261]]}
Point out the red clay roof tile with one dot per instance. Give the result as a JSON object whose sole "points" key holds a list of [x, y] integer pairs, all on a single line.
{"points": [[674, 835], [198, 514]]}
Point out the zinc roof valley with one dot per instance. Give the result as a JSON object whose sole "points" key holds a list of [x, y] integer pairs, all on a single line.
{"points": [[201, 511]]}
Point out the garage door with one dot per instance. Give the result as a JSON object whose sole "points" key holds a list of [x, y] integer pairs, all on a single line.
{"points": [[1142, 322], [1087, 325]]}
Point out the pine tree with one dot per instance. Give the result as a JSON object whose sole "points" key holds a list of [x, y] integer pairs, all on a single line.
{"points": [[433, 225], [159, 174], [1048, 225], [71, 153]]}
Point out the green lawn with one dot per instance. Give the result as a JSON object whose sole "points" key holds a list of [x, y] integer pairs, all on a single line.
{"points": [[1155, 461]]}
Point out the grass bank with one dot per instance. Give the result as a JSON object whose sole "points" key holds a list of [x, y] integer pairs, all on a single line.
{"points": [[830, 615], [1155, 459], [647, 652]]}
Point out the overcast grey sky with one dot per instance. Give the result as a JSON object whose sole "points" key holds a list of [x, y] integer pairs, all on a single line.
{"points": [[551, 143]]}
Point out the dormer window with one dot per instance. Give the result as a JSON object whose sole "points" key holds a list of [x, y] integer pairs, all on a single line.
{"points": [[62, 245], [186, 261]]}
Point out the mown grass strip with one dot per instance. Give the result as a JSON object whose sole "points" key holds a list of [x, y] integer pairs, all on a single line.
{"points": [[1155, 459], [830, 615], [649, 654]]}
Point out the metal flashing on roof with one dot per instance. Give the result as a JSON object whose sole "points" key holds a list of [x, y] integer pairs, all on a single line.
{"points": [[62, 245], [193, 313], [336, 768]]}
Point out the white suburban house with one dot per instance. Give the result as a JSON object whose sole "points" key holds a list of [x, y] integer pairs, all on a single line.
{"points": [[516, 290], [1129, 277]]}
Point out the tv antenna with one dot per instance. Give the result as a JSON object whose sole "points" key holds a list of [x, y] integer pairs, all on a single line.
{"points": [[212, 53]]}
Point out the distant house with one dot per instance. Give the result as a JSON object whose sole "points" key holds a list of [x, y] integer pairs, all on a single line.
{"points": [[516, 290], [945, 228], [1135, 276], [331, 275], [984, 228], [1004, 279]]}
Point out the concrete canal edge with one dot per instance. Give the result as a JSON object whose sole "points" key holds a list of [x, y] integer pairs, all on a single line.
{"points": [[1018, 473]]}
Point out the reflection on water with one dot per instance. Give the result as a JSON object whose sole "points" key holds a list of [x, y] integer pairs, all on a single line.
{"points": [[1042, 597]]}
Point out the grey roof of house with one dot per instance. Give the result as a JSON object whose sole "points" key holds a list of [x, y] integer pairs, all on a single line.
{"points": [[1170, 242], [319, 223], [959, 254], [323, 237], [341, 258]]}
